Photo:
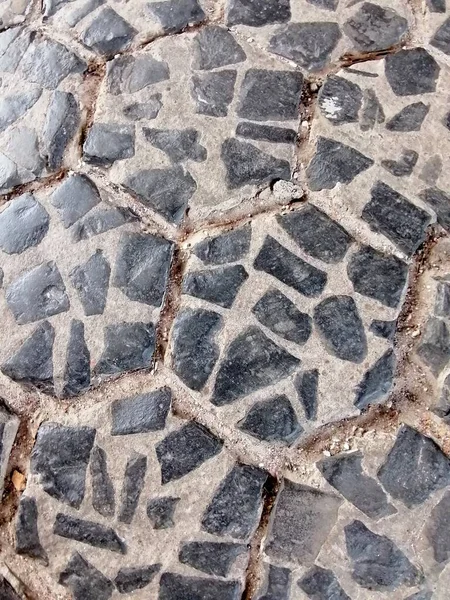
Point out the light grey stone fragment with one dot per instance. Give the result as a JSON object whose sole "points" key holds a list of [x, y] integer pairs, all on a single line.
{"points": [[216, 47], [108, 142], [227, 247], [85, 581], [103, 500], [75, 197], [77, 374], [142, 413], [372, 112], [128, 74], [61, 124], [175, 15], [27, 535], [178, 144], [47, 63], [23, 148], [431, 170], [373, 28], [404, 166], [14, 107], [213, 92], [23, 224], [434, 345], [91, 281], [13, 43], [277, 584], [145, 110], [108, 33], [50, 7], [79, 13], [9, 176]]}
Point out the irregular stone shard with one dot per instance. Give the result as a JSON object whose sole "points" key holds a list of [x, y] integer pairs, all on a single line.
{"points": [[88, 532], [220, 285], [378, 276], [9, 176], [47, 63], [344, 472], [141, 413], [325, 4], [322, 584], [227, 247], [378, 564], [129, 74], [9, 425], [235, 507], [291, 536], [178, 144], [14, 107], [91, 281], [61, 124], [431, 170], [441, 39], [107, 142], [175, 15], [434, 346], [341, 328], [144, 110], [142, 267], [404, 165], [213, 558], [280, 315], [50, 7], [133, 483], [277, 584], [213, 92], [167, 191], [278, 261], [440, 203], [128, 346], [252, 361], [411, 72], [442, 301], [436, 6], [375, 28], [32, 363], [103, 500], [77, 374], [23, 224], [23, 149], [340, 100], [377, 381], [334, 163], [442, 409], [60, 456], [245, 164], [306, 385], [108, 33], [74, 198], [308, 44], [101, 221], [383, 329], [257, 13], [422, 595], [129, 579], [27, 535], [12, 48], [437, 529], [415, 468], [372, 112], [180, 587], [216, 47], [74, 17], [410, 118], [7, 591], [272, 420], [266, 133], [194, 351], [84, 580], [161, 512]]}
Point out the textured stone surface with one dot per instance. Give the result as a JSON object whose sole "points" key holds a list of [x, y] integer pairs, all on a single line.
{"points": [[272, 420], [84, 580], [23, 224], [377, 381], [375, 28], [77, 375], [178, 587], [323, 584], [91, 281], [340, 100], [141, 413], [128, 346], [27, 535], [227, 247], [88, 532], [412, 72], [219, 286], [213, 558], [216, 47]]}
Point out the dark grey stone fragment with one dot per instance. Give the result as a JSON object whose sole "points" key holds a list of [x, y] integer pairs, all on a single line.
{"points": [[2, 275], [344, 472], [277, 584], [219, 286], [184, 450], [378, 564], [308, 44], [194, 350], [213, 558], [74, 17], [442, 301], [325, 4], [213, 92], [383, 329], [7, 591], [306, 385], [446, 120], [141, 413], [47, 63], [128, 74], [129, 579], [61, 124], [378, 276], [103, 500], [60, 457], [101, 221], [74, 198], [376, 382], [108, 33], [278, 261], [226, 247], [235, 506], [245, 165], [142, 267], [252, 361], [181, 587], [32, 363], [161, 511], [404, 165], [440, 203], [410, 118], [107, 142], [437, 529], [216, 47], [341, 328], [91, 281], [27, 535], [301, 521], [340, 100], [133, 483], [84, 580], [411, 72], [280, 315], [37, 294], [144, 110], [77, 373], [88, 532], [266, 133], [375, 28], [257, 13], [128, 346], [434, 345], [14, 107], [175, 15], [436, 6], [178, 144], [272, 420], [270, 95], [23, 224], [167, 191], [322, 584], [414, 468], [372, 112], [441, 39], [442, 409]]}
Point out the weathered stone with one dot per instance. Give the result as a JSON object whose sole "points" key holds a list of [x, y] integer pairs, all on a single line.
{"points": [[383, 329], [341, 328], [91, 281], [184, 450], [436, 6], [167, 191], [88, 532], [9, 425], [235, 507], [226, 247], [50, 7], [308, 44], [441, 39], [431, 170], [74, 17], [175, 15], [61, 124], [322, 584], [414, 468], [325, 4], [128, 74], [100, 221], [257, 13], [344, 472], [23, 224], [277, 584], [404, 165], [13, 44], [129, 579], [161, 512], [107, 142], [440, 203], [141, 413], [9, 176], [442, 301], [77, 374], [213, 558], [7, 591], [84, 580], [178, 144], [2, 275], [266, 133], [74, 198], [375, 28], [278, 261], [108, 33], [32, 363], [144, 110], [442, 409], [422, 595], [275, 311], [410, 118], [47, 63], [376, 382], [372, 112], [306, 385], [437, 529], [103, 500], [291, 535], [216, 47], [378, 564], [194, 350], [181, 587], [128, 346], [340, 100], [411, 72], [133, 483], [245, 165], [213, 92], [272, 420], [27, 535], [219, 286], [434, 346], [60, 457], [252, 361], [378, 276], [23, 149], [14, 107]]}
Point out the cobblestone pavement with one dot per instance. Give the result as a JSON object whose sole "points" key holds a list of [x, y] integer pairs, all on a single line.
{"points": [[224, 299]]}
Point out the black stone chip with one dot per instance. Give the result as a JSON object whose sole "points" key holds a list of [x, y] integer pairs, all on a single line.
{"points": [[213, 558], [272, 420], [88, 532], [219, 286], [161, 511]]}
